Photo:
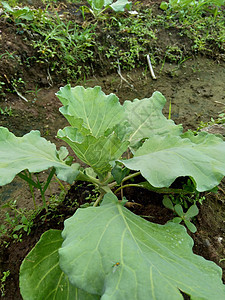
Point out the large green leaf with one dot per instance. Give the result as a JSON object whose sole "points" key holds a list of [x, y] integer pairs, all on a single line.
{"points": [[146, 118], [96, 152], [162, 159], [31, 152], [119, 5], [97, 5], [90, 108], [99, 132], [111, 252], [40, 274]]}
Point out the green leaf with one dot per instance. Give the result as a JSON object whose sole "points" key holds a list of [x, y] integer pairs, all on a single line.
{"points": [[177, 220], [95, 152], [168, 203], [97, 5], [63, 153], [192, 211], [7, 7], [99, 132], [90, 172], [24, 14], [162, 159], [119, 173], [121, 5], [190, 226], [40, 274], [90, 110], [118, 6], [31, 152], [164, 5], [146, 119], [179, 210], [111, 252]]}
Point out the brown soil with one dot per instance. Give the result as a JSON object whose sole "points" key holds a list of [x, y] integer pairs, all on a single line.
{"points": [[196, 91]]}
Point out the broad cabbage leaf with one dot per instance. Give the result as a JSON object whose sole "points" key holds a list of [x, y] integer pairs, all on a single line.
{"points": [[118, 6], [111, 252], [40, 274], [90, 110], [99, 130], [121, 5], [34, 153], [146, 118], [162, 159], [95, 152]]}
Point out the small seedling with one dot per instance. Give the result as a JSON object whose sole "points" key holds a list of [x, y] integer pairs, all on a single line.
{"points": [[34, 93], [182, 216], [16, 220], [3, 282], [6, 111]]}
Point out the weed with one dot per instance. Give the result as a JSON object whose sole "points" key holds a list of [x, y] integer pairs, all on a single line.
{"points": [[189, 197], [132, 39], [55, 200], [194, 7], [17, 83], [2, 83], [34, 93], [219, 121], [204, 30], [17, 14], [70, 49], [16, 221], [6, 111], [182, 217], [92, 197], [3, 282], [35, 183], [173, 53], [7, 55], [62, 45]]}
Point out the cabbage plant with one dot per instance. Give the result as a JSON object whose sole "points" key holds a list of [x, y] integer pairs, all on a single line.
{"points": [[105, 251], [99, 6]]}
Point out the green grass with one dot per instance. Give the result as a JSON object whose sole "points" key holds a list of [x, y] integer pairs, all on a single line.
{"points": [[74, 49]]}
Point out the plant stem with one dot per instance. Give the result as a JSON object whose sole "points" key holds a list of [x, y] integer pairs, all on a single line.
{"points": [[131, 176], [31, 186], [98, 200], [13, 208], [49, 179], [127, 185], [156, 190], [42, 194], [60, 183], [107, 179], [85, 177], [28, 179], [111, 185], [32, 194], [31, 183]]}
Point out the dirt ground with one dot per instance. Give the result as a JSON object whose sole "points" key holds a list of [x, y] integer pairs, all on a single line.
{"points": [[196, 91]]}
